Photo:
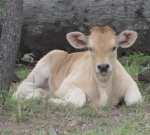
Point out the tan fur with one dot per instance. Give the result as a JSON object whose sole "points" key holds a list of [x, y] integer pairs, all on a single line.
{"points": [[74, 77]]}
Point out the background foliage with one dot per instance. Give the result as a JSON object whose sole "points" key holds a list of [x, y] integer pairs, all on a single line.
{"points": [[1, 21]]}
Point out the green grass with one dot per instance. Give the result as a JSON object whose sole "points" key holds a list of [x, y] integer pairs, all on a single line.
{"points": [[103, 121], [88, 111], [37, 116], [23, 72]]}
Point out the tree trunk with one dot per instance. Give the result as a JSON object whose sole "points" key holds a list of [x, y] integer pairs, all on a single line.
{"points": [[10, 40], [46, 22]]}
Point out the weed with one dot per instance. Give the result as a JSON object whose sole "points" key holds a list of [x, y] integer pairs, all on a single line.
{"points": [[134, 64], [138, 58]]}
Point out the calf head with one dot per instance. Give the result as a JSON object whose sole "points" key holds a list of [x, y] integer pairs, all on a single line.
{"points": [[102, 44]]}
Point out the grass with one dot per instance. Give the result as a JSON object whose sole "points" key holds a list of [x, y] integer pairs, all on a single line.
{"points": [[39, 117], [23, 71], [69, 120]]}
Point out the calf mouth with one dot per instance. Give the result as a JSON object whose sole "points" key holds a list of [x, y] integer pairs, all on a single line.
{"points": [[104, 72]]}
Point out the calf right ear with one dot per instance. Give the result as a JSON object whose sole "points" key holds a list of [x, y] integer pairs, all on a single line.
{"points": [[77, 39]]}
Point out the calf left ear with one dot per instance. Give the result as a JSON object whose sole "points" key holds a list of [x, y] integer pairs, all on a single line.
{"points": [[127, 38], [77, 39]]}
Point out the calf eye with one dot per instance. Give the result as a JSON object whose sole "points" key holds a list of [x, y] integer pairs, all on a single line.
{"points": [[114, 48]]}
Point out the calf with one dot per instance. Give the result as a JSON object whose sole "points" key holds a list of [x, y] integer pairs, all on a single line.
{"points": [[95, 76]]}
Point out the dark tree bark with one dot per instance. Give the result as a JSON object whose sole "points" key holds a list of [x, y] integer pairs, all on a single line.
{"points": [[10, 40], [46, 22]]}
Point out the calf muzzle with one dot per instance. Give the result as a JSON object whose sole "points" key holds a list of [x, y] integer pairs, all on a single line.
{"points": [[103, 67]]}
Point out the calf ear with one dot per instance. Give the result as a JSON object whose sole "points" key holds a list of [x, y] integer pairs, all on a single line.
{"points": [[77, 39], [127, 38]]}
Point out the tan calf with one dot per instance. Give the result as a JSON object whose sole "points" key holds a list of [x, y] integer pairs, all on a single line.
{"points": [[95, 77]]}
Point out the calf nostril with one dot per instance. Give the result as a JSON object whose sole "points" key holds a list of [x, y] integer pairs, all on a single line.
{"points": [[103, 67], [107, 66]]}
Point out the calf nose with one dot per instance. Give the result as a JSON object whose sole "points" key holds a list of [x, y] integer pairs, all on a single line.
{"points": [[103, 67]]}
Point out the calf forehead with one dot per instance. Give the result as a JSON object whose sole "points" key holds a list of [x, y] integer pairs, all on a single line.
{"points": [[102, 37]]}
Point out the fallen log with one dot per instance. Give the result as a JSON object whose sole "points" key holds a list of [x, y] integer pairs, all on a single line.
{"points": [[46, 22]]}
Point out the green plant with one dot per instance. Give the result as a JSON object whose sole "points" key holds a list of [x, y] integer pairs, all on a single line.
{"points": [[1, 10], [133, 70], [4, 95], [134, 64], [138, 58]]}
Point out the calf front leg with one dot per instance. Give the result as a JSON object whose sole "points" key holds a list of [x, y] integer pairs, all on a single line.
{"points": [[132, 95], [74, 96]]}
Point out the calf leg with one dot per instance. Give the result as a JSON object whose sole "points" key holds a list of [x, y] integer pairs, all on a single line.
{"points": [[36, 81], [34, 85], [74, 96], [132, 95]]}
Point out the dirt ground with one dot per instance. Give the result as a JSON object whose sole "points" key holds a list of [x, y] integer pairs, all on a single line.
{"points": [[55, 120], [44, 118]]}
